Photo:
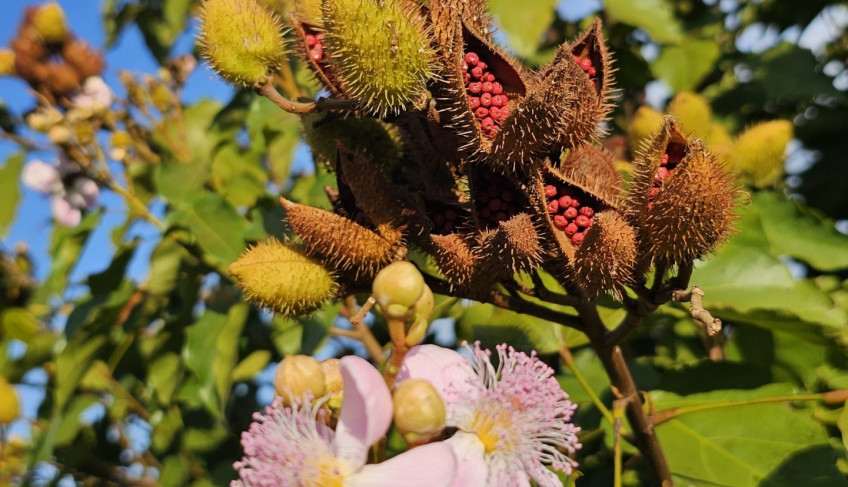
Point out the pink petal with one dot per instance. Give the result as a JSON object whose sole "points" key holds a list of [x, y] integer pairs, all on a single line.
{"points": [[470, 456], [432, 465], [67, 166], [88, 190], [65, 213], [41, 176], [446, 369], [366, 410]]}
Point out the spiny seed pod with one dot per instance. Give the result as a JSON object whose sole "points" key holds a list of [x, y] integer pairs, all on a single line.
{"points": [[7, 62], [719, 141], [49, 20], [460, 264], [759, 152], [380, 52], [419, 411], [495, 198], [593, 170], [644, 124], [298, 375], [9, 405], [397, 287], [605, 260], [343, 243], [309, 11], [515, 245], [281, 278], [372, 138], [655, 161], [85, 59], [374, 194], [241, 39], [693, 214], [692, 112]]}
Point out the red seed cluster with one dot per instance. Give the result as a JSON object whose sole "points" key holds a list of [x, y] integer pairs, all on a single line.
{"points": [[588, 68], [485, 94], [668, 164], [570, 210], [315, 45], [444, 221], [495, 200]]}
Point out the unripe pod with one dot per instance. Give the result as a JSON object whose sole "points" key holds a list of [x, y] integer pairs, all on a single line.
{"points": [[419, 411], [298, 375], [241, 39], [692, 112], [281, 278], [9, 405], [759, 152], [7, 62], [645, 122], [379, 51], [49, 21], [397, 287]]}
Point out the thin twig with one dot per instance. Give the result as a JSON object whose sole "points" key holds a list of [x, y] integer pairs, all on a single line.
{"points": [[362, 332], [267, 90], [568, 360], [703, 317]]}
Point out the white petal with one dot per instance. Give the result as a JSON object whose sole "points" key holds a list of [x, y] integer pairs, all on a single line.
{"points": [[430, 465], [366, 410], [88, 190], [41, 176], [64, 212], [472, 469]]}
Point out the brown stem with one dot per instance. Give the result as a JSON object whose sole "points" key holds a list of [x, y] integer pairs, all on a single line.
{"points": [[695, 297], [267, 90], [616, 368], [361, 331]]}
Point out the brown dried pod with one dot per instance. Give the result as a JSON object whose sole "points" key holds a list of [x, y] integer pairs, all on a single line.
{"points": [[444, 12], [593, 169], [343, 243], [604, 262], [564, 105], [654, 162], [567, 208], [461, 265], [87, 61], [514, 245], [374, 194], [62, 79], [494, 198], [693, 212]]}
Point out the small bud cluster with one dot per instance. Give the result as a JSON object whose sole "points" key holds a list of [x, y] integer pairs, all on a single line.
{"points": [[495, 200], [588, 68], [486, 97], [315, 44], [668, 164], [571, 211]]}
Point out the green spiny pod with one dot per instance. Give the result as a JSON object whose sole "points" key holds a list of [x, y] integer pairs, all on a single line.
{"points": [[693, 213], [760, 152], [343, 243], [644, 124], [605, 260], [372, 138], [280, 277], [692, 112], [379, 51], [241, 39]]}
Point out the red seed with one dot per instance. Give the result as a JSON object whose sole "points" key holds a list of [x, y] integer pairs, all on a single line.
{"points": [[501, 216], [481, 112], [498, 100], [495, 204], [560, 222], [571, 229], [585, 63], [589, 225], [466, 78], [485, 212], [654, 192], [475, 87], [507, 195], [486, 99], [664, 159], [497, 88], [586, 211], [487, 123], [482, 65], [316, 55], [570, 213], [550, 190], [553, 206], [448, 228], [450, 215], [495, 113], [591, 71], [662, 173], [311, 40], [565, 201], [575, 203], [471, 58], [477, 71], [581, 221], [577, 238], [489, 77], [487, 87], [474, 102], [493, 131], [577, 58]]}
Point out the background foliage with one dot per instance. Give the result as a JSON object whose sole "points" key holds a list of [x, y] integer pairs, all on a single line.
{"points": [[151, 380]]}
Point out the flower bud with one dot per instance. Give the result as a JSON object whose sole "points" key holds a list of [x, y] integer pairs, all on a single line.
{"points": [[693, 113], [7, 62], [333, 381], [59, 134], [421, 312], [9, 405], [241, 39], [419, 411], [397, 287], [297, 375], [283, 279], [759, 153], [49, 21]]}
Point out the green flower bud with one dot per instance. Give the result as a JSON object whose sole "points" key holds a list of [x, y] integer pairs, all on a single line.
{"points": [[397, 287], [380, 52], [49, 21], [281, 278], [297, 375], [241, 39], [419, 411], [759, 152]]}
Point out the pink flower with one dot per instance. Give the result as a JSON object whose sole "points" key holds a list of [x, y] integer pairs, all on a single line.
{"points": [[95, 96], [70, 193], [291, 446], [512, 421]]}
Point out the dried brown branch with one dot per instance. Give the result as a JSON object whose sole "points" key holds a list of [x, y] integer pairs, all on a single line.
{"points": [[703, 317]]}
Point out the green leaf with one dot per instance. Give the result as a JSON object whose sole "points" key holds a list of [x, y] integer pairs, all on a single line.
{"points": [[161, 24], [218, 227], [238, 175], [72, 363], [275, 132], [251, 365], [18, 323], [10, 191], [656, 17], [164, 375], [798, 232], [70, 424], [682, 66], [110, 278], [791, 72], [65, 248], [524, 26], [165, 265]]}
